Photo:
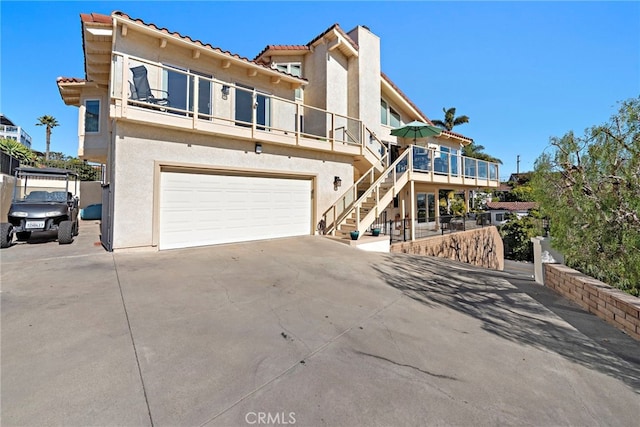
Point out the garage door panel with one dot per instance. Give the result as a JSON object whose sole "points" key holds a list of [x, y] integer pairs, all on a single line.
{"points": [[198, 209]]}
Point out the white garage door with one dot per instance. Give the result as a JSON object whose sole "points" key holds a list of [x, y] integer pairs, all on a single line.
{"points": [[200, 209]]}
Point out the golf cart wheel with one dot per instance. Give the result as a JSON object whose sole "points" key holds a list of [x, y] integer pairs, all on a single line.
{"points": [[6, 235], [65, 232], [23, 235]]}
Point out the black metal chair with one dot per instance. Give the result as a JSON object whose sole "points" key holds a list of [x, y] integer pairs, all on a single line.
{"points": [[141, 91]]}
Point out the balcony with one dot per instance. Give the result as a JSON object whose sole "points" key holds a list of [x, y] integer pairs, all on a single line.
{"points": [[190, 101], [436, 166]]}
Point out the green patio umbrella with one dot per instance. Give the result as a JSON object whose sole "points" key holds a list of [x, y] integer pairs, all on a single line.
{"points": [[415, 130]]}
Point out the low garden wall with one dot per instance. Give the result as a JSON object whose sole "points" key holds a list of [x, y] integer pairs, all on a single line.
{"points": [[612, 305], [482, 247]]}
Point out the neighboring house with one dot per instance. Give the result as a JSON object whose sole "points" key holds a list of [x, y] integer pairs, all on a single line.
{"points": [[500, 210], [10, 130], [203, 146]]}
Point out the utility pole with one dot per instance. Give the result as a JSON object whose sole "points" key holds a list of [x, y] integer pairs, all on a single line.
{"points": [[518, 165]]}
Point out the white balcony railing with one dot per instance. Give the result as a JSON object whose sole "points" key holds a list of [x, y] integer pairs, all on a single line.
{"points": [[453, 165], [177, 92]]}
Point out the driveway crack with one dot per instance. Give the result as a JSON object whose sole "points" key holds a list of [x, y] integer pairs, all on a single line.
{"points": [[297, 363], [133, 342]]}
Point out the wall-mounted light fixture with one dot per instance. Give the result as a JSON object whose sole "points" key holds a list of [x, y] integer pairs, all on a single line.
{"points": [[225, 91], [337, 182], [258, 148]]}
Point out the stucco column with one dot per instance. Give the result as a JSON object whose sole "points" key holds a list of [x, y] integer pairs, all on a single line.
{"points": [[466, 200], [437, 200], [413, 211]]}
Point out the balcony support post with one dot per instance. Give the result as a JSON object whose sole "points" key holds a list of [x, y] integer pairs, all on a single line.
{"points": [[413, 210], [196, 90]]}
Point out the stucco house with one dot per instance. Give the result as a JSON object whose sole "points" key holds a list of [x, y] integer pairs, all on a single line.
{"points": [[203, 146], [500, 210]]}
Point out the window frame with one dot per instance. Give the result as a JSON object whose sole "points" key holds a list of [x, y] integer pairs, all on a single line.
{"points": [[86, 113], [287, 67], [388, 113]]}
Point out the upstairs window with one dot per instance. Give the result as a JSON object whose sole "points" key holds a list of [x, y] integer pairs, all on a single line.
{"points": [[389, 116], [92, 116], [295, 69]]}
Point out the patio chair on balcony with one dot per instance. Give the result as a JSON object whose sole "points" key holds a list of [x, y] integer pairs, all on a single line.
{"points": [[141, 91]]}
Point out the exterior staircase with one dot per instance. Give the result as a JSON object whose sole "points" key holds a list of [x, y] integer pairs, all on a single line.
{"points": [[365, 200]]}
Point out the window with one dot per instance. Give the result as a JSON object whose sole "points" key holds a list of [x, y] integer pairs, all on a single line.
{"points": [[295, 69], [92, 116], [389, 116], [383, 112], [499, 217]]}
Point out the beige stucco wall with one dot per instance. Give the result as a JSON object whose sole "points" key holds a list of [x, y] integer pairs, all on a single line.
{"points": [[6, 194], [138, 149], [90, 193], [367, 73], [93, 146]]}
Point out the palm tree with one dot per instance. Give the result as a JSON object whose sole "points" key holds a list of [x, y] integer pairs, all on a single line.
{"points": [[450, 119], [50, 122], [474, 150]]}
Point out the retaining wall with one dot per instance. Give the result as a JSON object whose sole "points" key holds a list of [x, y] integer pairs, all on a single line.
{"points": [[482, 247], [612, 305]]}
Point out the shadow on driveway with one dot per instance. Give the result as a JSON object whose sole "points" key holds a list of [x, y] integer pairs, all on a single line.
{"points": [[518, 310]]}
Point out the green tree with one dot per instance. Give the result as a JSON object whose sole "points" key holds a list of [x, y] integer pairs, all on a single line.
{"points": [[517, 233], [16, 150], [450, 119], [50, 122], [520, 193], [589, 187], [475, 151]]}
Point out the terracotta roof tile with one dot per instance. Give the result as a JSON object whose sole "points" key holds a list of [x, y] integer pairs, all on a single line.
{"points": [[95, 17], [512, 206], [70, 80], [448, 132], [290, 47], [340, 30], [200, 43]]}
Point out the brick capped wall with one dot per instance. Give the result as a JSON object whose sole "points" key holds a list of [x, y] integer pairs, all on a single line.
{"points": [[482, 247], [612, 305]]}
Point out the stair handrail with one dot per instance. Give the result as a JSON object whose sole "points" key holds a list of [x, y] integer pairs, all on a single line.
{"points": [[392, 168], [377, 139], [329, 228]]}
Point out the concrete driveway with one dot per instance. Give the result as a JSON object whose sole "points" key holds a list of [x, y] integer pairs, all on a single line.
{"points": [[301, 331]]}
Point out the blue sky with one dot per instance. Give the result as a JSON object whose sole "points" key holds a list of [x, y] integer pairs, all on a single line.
{"points": [[522, 71]]}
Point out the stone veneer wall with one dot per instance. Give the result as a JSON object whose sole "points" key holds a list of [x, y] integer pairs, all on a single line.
{"points": [[612, 305], [482, 247]]}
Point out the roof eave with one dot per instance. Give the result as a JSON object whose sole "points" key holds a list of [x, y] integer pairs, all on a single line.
{"points": [[210, 50]]}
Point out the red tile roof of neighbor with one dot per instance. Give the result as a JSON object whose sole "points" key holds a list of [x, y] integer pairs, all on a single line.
{"points": [[512, 206]]}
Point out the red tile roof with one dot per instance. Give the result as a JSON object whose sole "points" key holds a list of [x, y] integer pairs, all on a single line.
{"points": [[340, 30], [70, 80], [200, 43], [512, 206], [448, 132], [95, 17], [296, 47]]}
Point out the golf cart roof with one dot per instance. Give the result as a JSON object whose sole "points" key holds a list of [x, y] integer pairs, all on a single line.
{"points": [[45, 172]]}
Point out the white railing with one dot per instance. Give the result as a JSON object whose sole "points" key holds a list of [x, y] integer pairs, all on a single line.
{"points": [[201, 97], [453, 165], [394, 178]]}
